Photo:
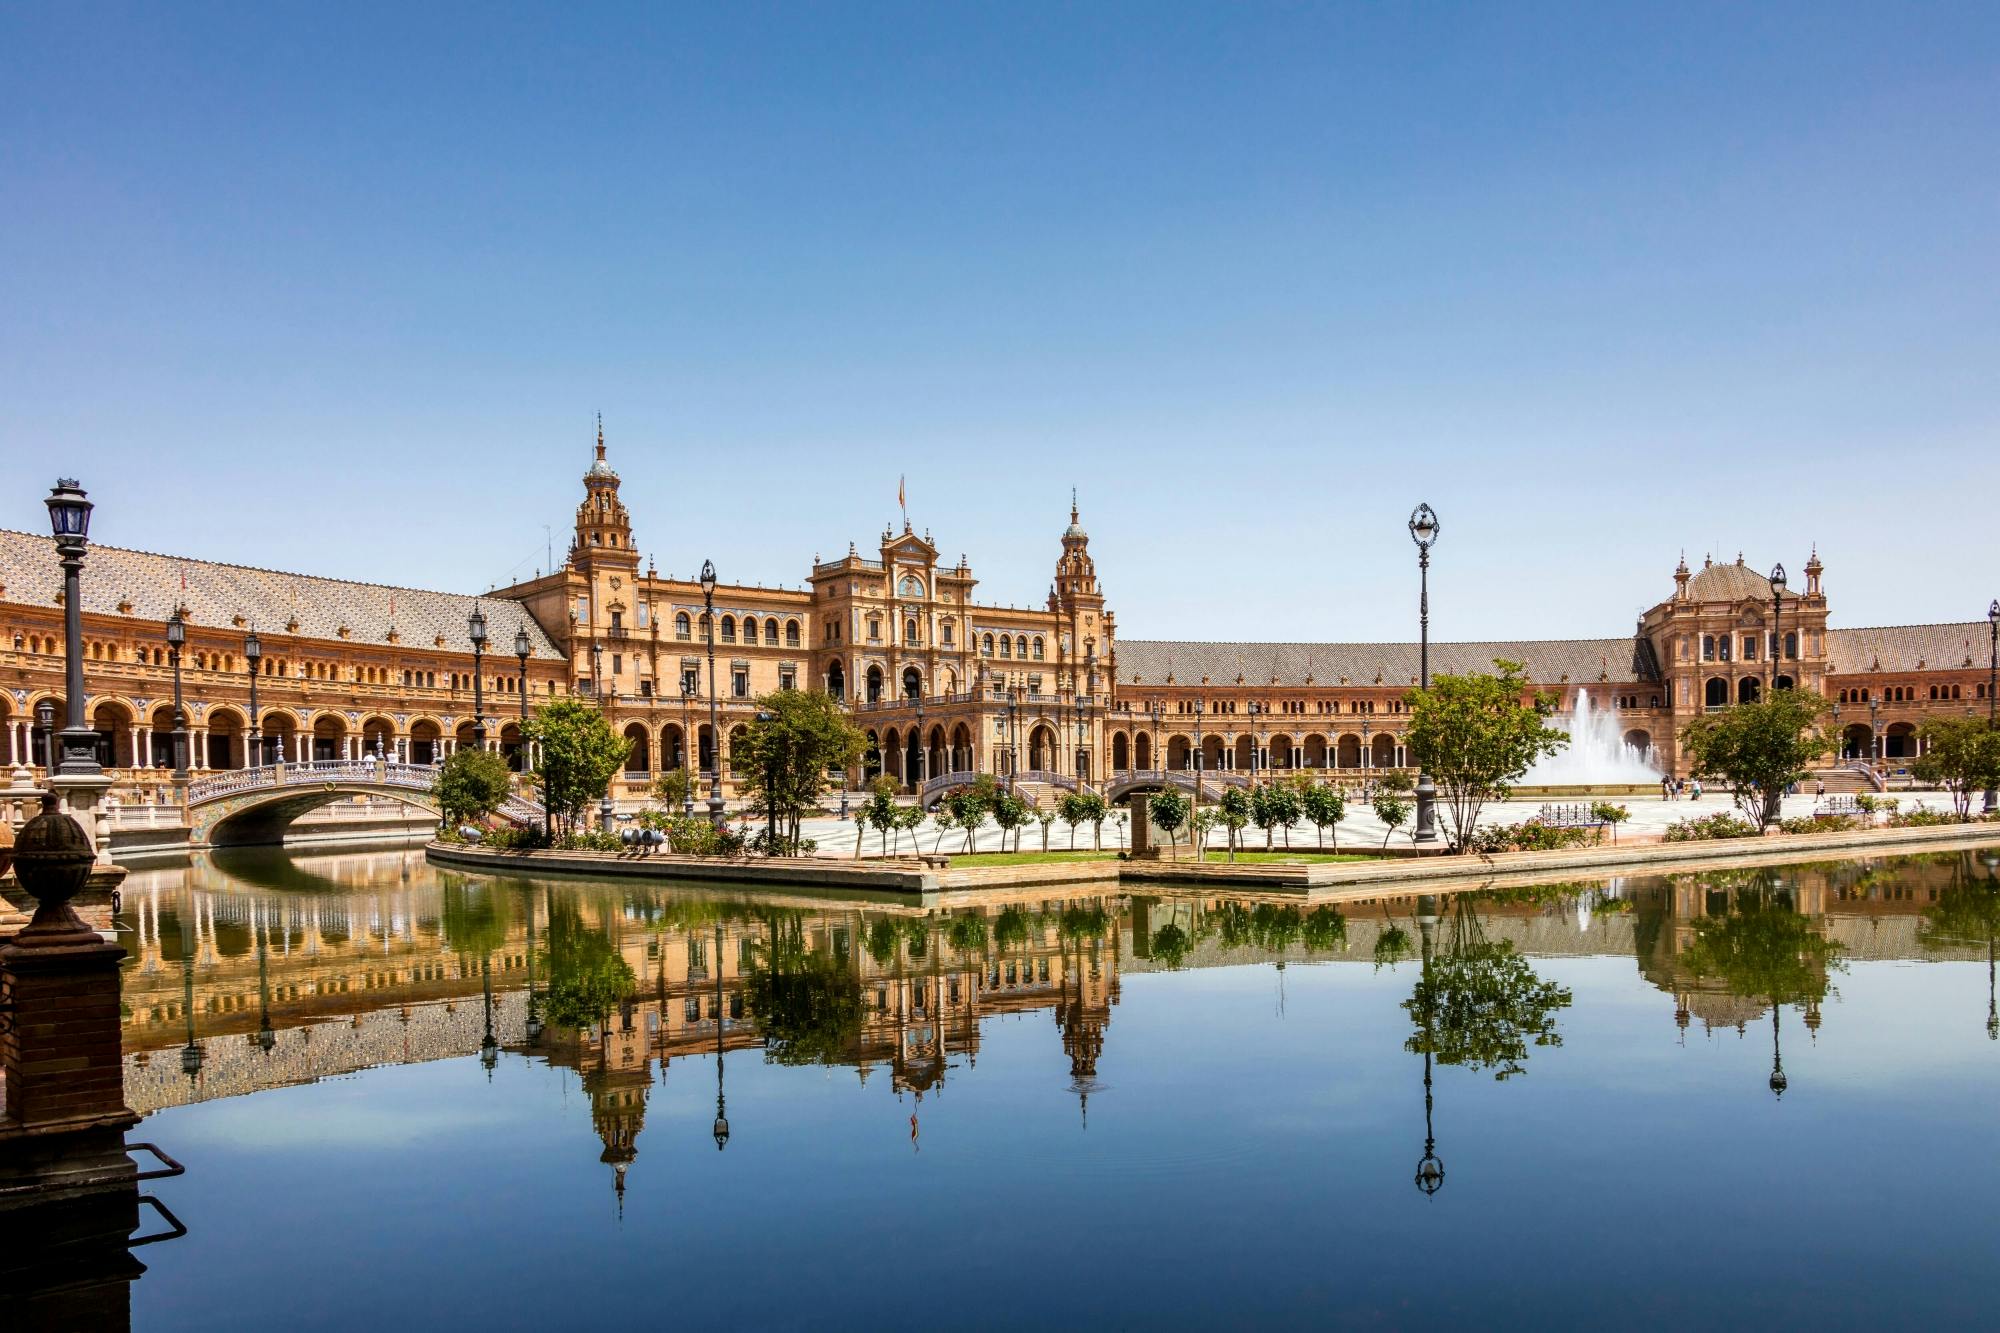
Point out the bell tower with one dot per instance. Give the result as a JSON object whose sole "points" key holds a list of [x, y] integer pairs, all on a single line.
{"points": [[1084, 630], [603, 528]]}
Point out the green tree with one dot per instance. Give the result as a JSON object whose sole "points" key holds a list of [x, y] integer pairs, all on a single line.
{"points": [[672, 788], [1200, 822], [1234, 808], [474, 917], [970, 805], [1092, 808], [1961, 755], [1324, 805], [1170, 811], [1010, 812], [785, 755], [1324, 928], [1070, 808], [1046, 818], [944, 822], [1762, 949], [1273, 806], [881, 812], [1392, 809], [1474, 734], [1758, 749], [966, 932], [586, 975], [579, 756], [469, 785]]}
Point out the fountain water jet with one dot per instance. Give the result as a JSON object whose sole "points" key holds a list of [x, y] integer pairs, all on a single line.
{"points": [[1597, 754]]}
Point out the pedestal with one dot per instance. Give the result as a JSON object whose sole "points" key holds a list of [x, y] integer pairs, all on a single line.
{"points": [[82, 799]]}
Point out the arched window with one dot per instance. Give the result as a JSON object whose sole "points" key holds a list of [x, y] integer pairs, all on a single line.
{"points": [[1021, 646], [791, 634], [1038, 647], [1791, 644], [729, 629], [986, 646], [771, 633], [910, 630], [681, 628], [1708, 647], [944, 633], [707, 628], [1716, 693], [1006, 646]]}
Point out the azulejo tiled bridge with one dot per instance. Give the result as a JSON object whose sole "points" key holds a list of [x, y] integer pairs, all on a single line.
{"points": [[255, 804]]}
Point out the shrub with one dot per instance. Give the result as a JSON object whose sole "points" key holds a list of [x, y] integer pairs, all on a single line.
{"points": [[1609, 812], [1921, 818], [1530, 835], [589, 840], [1722, 824], [763, 844], [1819, 824], [514, 839]]}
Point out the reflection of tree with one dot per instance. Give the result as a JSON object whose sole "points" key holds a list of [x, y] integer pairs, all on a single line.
{"points": [[807, 1003], [1012, 927], [1083, 923], [1479, 1004], [586, 975], [1323, 928], [882, 937], [1762, 949], [966, 932], [1967, 912], [1171, 945], [474, 916]]}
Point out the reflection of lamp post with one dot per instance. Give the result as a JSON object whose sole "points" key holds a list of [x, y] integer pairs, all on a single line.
{"points": [[191, 1052], [176, 639], [714, 726], [721, 1106], [69, 520], [1777, 620], [265, 1038], [489, 1049], [1991, 860], [1424, 531], [1992, 686], [1778, 1080], [533, 1026], [1430, 1168]]}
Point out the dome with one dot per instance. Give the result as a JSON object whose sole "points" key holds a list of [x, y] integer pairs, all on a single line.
{"points": [[1729, 583]]}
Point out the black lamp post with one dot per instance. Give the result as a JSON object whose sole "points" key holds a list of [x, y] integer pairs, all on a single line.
{"points": [[1992, 681], [45, 727], [1200, 706], [253, 740], [687, 730], [266, 1038], [1875, 724], [1158, 711], [1424, 531], [475, 629], [1778, 1080], [489, 1046], [69, 520], [176, 640], [714, 725], [1777, 620], [523, 650]]}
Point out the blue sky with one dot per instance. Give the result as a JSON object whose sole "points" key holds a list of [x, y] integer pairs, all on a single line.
{"points": [[338, 288]]}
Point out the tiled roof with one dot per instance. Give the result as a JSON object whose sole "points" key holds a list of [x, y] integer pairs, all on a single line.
{"points": [[1909, 647], [266, 599], [1548, 661], [1729, 583]]}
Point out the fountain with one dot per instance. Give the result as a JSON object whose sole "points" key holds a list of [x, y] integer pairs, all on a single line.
{"points": [[1597, 754]]}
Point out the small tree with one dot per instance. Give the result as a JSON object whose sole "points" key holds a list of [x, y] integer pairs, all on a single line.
{"points": [[1010, 812], [1045, 818], [1070, 807], [1235, 809], [1203, 820], [1169, 809], [944, 822], [970, 805], [1276, 805], [1759, 749], [1091, 809], [1392, 809], [672, 788], [1474, 734], [579, 755], [910, 819], [881, 812], [1325, 805], [469, 785], [1961, 755]]}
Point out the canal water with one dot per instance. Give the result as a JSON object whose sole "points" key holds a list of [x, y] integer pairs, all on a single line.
{"points": [[414, 1098]]}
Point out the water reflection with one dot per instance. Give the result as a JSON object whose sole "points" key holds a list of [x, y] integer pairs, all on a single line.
{"points": [[266, 971]]}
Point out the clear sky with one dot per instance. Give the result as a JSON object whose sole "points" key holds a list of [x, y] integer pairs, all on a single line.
{"points": [[338, 289]]}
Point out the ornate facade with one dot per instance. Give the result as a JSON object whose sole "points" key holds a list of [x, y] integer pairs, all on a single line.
{"points": [[944, 682]]}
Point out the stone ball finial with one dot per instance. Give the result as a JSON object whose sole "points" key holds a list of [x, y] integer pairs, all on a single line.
{"points": [[52, 861]]}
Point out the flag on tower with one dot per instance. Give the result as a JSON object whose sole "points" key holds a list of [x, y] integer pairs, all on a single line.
{"points": [[902, 501]]}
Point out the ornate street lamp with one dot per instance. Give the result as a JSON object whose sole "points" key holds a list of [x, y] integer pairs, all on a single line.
{"points": [[176, 640], [687, 730], [714, 725], [475, 629], [69, 520], [1875, 724], [45, 727], [1424, 532], [523, 650], [1777, 620], [253, 737], [1200, 707], [1992, 685], [923, 749]]}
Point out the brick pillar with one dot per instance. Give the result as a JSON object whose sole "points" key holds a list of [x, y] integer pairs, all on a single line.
{"points": [[62, 1051]]}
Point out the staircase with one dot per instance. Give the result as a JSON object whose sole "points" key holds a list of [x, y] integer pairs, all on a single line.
{"points": [[1843, 781]]}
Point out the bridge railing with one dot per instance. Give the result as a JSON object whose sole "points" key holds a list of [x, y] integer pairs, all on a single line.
{"points": [[366, 772]]}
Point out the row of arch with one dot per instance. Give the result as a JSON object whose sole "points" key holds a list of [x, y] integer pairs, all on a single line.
{"points": [[1141, 751], [1716, 692], [221, 737], [684, 627]]}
